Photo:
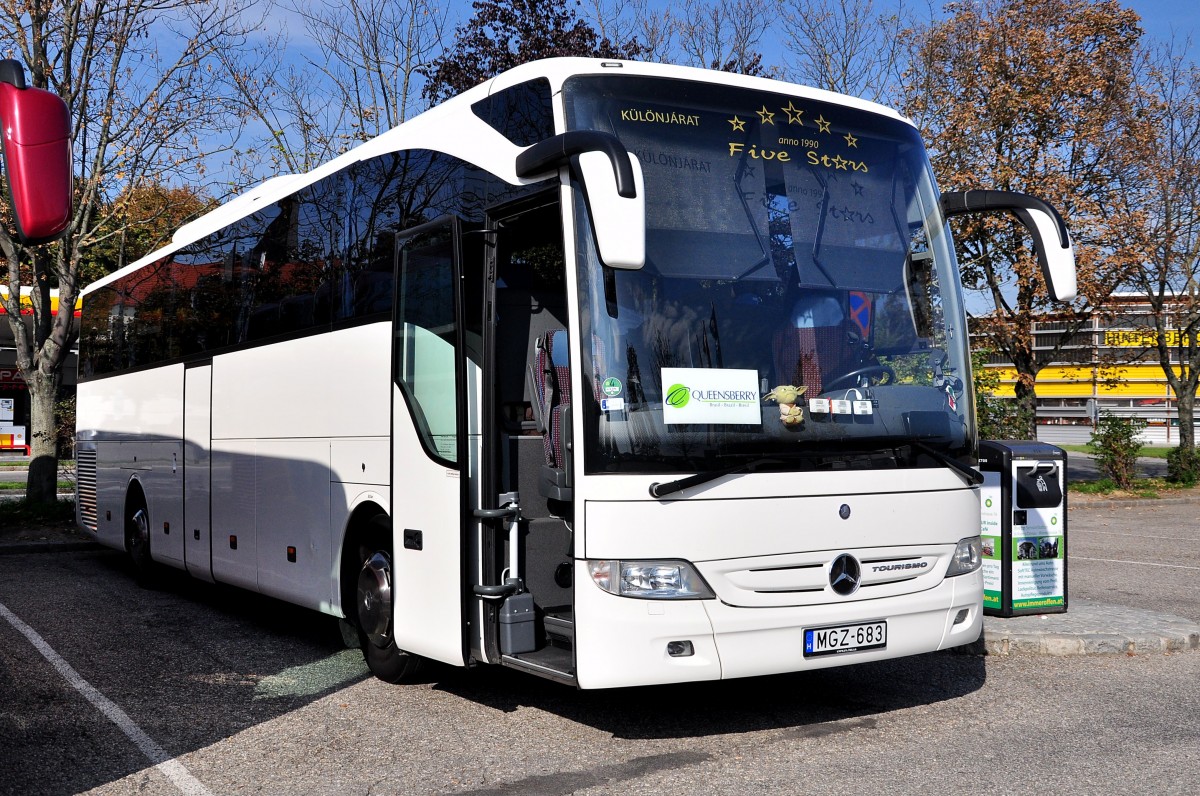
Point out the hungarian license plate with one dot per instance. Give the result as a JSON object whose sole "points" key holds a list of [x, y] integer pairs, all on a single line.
{"points": [[845, 638]]}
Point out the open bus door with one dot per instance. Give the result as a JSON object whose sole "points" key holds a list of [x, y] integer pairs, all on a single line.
{"points": [[524, 592], [435, 448]]}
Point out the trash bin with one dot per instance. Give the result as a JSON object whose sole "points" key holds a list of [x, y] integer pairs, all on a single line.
{"points": [[1023, 522]]}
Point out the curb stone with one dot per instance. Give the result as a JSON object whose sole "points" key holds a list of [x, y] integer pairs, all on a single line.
{"points": [[1125, 503], [1089, 628]]}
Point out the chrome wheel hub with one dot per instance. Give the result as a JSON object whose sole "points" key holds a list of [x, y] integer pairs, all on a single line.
{"points": [[140, 534], [375, 599]]}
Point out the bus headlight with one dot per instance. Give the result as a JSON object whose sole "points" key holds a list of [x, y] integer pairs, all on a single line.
{"points": [[653, 580], [967, 558]]}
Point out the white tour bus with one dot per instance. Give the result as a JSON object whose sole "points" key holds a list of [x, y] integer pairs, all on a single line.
{"points": [[613, 373]]}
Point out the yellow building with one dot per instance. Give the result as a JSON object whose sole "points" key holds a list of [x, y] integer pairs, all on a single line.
{"points": [[1112, 361]]}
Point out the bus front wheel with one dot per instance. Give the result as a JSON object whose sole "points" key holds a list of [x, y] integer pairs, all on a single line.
{"points": [[373, 615]]}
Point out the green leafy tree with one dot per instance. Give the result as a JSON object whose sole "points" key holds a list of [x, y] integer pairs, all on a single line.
{"points": [[1116, 447]]}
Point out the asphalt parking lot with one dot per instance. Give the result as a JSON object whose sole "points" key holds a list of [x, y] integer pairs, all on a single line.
{"points": [[189, 688]]}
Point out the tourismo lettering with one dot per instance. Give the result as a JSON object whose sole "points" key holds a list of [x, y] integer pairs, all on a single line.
{"points": [[660, 117]]}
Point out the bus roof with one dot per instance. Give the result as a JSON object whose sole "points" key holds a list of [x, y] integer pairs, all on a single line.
{"points": [[453, 129]]}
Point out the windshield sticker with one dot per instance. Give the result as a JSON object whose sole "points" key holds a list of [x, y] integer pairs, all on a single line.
{"points": [[660, 117], [711, 395], [783, 156], [791, 116], [683, 162], [791, 415], [611, 387], [612, 404]]}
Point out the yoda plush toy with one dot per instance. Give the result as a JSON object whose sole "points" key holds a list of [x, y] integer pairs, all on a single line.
{"points": [[786, 396]]}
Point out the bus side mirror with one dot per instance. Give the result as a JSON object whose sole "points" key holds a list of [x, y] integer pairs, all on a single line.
{"points": [[619, 221], [1050, 237], [36, 128], [612, 185]]}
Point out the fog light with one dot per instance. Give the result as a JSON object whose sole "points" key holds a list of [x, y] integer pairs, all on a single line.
{"points": [[961, 616], [680, 649]]}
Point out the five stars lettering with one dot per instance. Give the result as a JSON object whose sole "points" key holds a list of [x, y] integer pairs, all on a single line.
{"points": [[795, 116]]}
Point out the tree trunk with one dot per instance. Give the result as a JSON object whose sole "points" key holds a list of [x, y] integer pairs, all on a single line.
{"points": [[42, 486], [1187, 417], [1026, 398]]}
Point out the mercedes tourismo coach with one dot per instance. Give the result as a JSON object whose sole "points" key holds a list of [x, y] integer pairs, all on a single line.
{"points": [[610, 372]]}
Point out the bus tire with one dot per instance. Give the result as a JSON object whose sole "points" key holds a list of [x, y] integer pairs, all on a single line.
{"points": [[137, 537], [373, 615]]}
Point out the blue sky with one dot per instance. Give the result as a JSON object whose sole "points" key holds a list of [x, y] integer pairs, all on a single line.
{"points": [[1161, 18]]}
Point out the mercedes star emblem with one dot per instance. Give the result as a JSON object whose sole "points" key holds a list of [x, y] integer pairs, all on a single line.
{"points": [[844, 574]]}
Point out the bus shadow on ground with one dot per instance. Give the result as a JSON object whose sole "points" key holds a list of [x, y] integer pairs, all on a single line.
{"points": [[190, 663], [807, 703]]}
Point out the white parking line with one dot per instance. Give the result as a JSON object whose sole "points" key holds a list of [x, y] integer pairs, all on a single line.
{"points": [[1121, 561], [171, 769]]}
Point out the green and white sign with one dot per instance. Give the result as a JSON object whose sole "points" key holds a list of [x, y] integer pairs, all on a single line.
{"points": [[991, 530], [1038, 572], [1039, 553], [711, 395]]}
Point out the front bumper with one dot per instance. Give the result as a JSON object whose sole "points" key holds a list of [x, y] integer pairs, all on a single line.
{"points": [[623, 642]]}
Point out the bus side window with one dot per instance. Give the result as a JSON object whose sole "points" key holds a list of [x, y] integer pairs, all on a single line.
{"points": [[426, 332]]}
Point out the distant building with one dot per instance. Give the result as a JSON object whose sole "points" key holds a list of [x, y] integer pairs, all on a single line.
{"points": [[14, 395], [1111, 361]]}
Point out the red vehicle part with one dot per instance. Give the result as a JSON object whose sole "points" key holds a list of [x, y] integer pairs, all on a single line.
{"points": [[36, 135]]}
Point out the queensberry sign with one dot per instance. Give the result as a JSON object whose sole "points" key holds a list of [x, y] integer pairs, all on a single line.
{"points": [[711, 395]]}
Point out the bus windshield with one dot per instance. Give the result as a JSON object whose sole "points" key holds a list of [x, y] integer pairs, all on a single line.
{"points": [[800, 293]]}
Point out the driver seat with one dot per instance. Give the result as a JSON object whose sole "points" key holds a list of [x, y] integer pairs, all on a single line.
{"points": [[814, 355]]}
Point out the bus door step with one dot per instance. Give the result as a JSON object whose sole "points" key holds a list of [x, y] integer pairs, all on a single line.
{"points": [[560, 631], [553, 663]]}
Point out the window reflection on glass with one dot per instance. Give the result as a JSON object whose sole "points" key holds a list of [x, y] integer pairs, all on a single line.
{"points": [[796, 240]]}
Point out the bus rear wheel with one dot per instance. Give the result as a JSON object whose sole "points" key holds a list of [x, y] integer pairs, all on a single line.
{"points": [[137, 540], [373, 616]]}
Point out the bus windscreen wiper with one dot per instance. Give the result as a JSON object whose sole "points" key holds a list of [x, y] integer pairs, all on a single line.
{"points": [[658, 490]]}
